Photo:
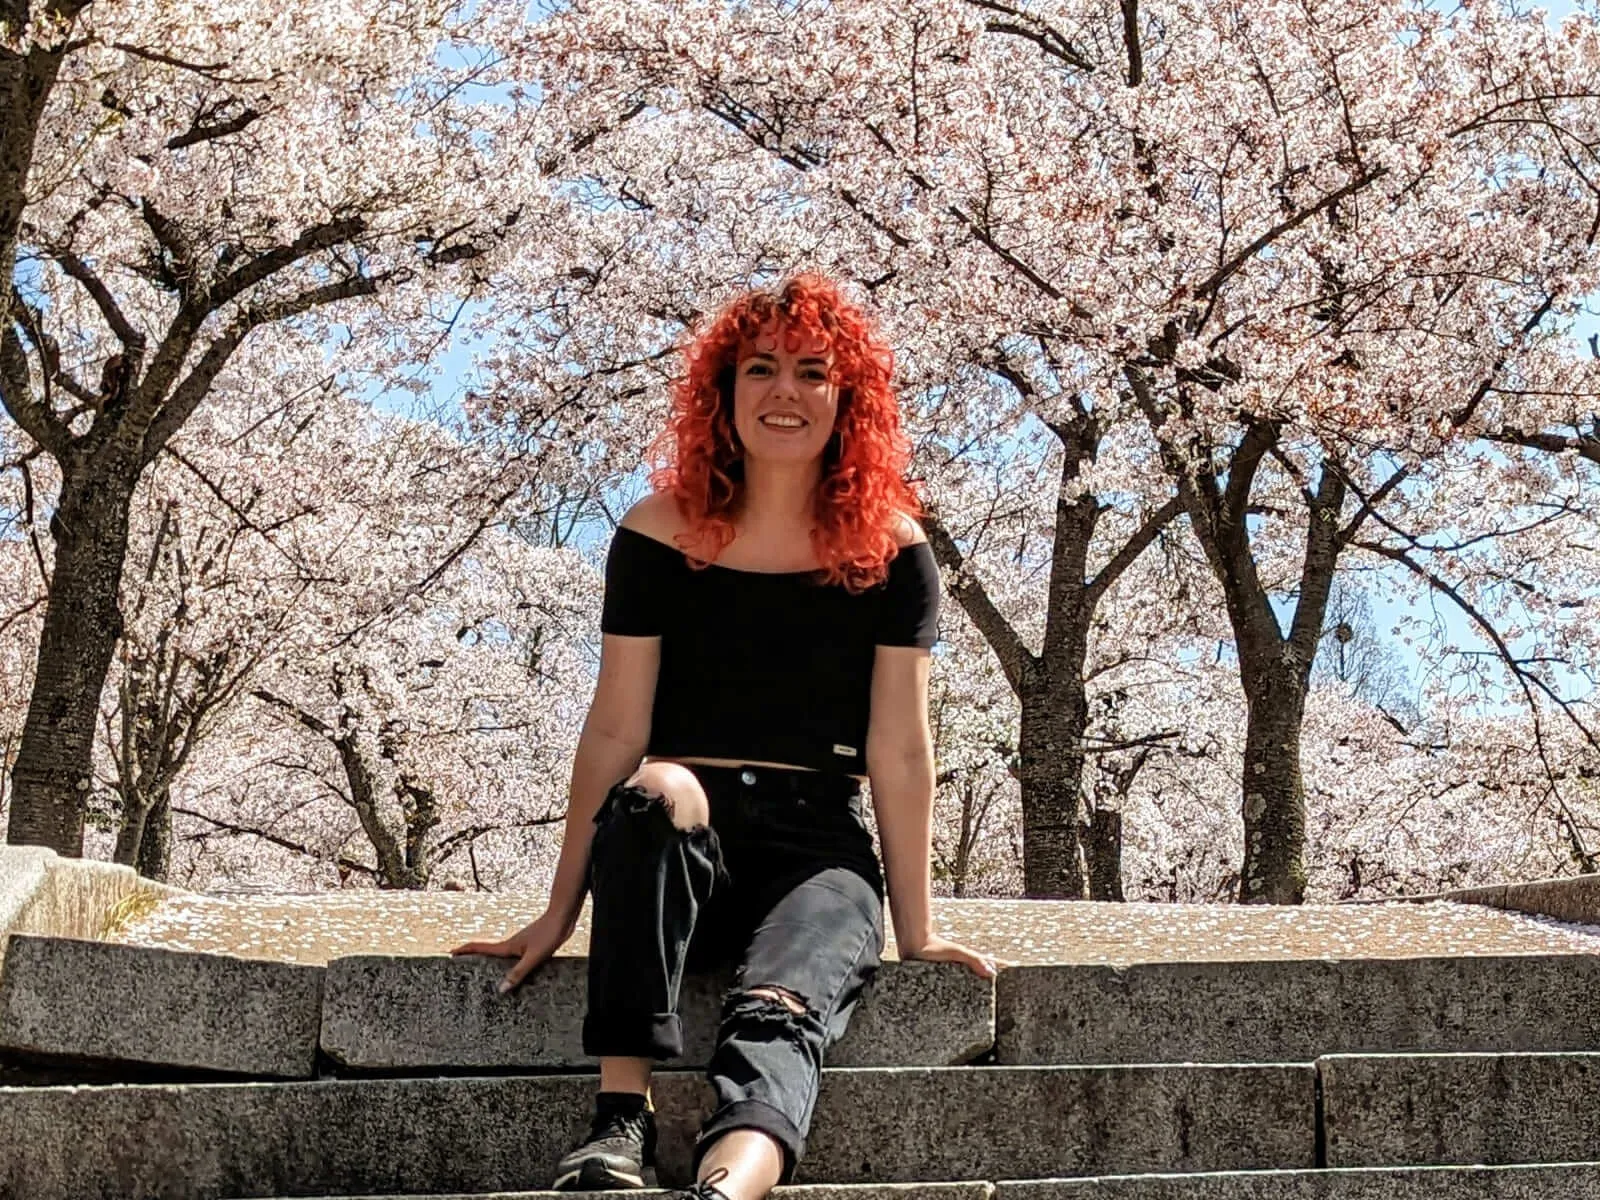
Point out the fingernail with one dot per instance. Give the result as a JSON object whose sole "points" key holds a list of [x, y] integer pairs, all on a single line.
{"points": [[505, 986]]}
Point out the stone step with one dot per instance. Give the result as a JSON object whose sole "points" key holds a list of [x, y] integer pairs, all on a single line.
{"points": [[255, 1017], [1295, 1011], [1440, 1109], [183, 1010], [800, 1191], [65, 999], [465, 1134], [1568, 1181], [415, 1013], [1522, 1181]]}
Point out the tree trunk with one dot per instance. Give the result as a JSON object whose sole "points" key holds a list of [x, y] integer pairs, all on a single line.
{"points": [[145, 835], [26, 81], [155, 848], [1274, 796], [1102, 849], [1051, 775], [50, 781], [130, 831]]}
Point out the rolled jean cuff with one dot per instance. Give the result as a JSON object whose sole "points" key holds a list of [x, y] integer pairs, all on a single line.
{"points": [[633, 1035], [752, 1114]]}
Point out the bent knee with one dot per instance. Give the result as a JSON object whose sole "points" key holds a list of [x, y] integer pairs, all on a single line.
{"points": [[678, 791]]}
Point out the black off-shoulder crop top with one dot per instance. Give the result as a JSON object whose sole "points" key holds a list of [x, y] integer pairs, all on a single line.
{"points": [[763, 666]]}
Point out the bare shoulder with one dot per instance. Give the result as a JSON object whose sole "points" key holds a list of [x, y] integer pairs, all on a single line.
{"points": [[908, 530], [655, 516]]}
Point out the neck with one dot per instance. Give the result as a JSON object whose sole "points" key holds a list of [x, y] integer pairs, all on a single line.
{"points": [[778, 497]]}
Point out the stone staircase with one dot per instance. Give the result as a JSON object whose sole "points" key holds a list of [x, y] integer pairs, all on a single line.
{"points": [[144, 1071]]}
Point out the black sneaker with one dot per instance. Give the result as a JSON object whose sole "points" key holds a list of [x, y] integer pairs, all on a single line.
{"points": [[620, 1151]]}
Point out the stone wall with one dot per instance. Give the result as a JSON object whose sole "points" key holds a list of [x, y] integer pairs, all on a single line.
{"points": [[43, 893]]}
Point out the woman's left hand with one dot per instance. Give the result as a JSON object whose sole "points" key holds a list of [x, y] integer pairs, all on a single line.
{"points": [[938, 949]]}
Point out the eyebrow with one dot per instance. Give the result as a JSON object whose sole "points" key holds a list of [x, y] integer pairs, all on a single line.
{"points": [[804, 362]]}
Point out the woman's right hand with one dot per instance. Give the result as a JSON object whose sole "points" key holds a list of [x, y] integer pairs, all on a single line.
{"points": [[530, 946]]}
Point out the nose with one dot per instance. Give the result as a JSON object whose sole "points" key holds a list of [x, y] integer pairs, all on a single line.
{"points": [[783, 385]]}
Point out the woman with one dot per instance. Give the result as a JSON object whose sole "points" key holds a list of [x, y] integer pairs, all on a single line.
{"points": [[766, 622]]}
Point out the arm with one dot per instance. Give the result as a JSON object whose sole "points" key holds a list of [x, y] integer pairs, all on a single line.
{"points": [[900, 769], [900, 750]]}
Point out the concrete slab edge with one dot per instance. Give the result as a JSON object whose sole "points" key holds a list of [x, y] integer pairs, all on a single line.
{"points": [[1088, 1185], [1571, 898], [966, 1190], [44, 893], [1290, 1174], [1518, 1181]]}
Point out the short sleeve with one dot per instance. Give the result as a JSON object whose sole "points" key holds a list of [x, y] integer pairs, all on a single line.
{"points": [[910, 601], [632, 603]]}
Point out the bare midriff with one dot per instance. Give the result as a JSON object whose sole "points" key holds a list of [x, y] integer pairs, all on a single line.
{"points": [[737, 762]]}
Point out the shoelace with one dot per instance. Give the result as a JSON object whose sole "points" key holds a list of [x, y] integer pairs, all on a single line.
{"points": [[618, 1124], [702, 1189]]}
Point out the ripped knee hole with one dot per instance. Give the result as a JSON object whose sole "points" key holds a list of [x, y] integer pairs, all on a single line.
{"points": [[777, 995]]}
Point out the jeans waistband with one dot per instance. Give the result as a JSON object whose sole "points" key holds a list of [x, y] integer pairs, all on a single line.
{"points": [[782, 781]]}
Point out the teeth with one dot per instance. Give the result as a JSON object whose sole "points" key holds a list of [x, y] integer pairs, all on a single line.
{"points": [[786, 422]]}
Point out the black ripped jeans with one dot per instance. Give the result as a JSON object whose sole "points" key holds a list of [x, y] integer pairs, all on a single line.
{"points": [[784, 882]]}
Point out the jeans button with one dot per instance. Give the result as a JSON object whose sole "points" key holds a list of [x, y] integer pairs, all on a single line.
{"points": [[747, 777]]}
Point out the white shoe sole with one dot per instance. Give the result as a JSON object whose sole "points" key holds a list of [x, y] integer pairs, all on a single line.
{"points": [[595, 1176]]}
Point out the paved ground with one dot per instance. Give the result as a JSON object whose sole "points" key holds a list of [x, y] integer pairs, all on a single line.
{"points": [[314, 928]]}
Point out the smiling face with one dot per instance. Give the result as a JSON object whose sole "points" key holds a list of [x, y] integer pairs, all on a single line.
{"points": [[784, 398]]}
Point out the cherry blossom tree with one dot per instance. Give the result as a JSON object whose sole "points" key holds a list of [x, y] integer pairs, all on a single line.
{"points": [[1508, 592], [1259, 283], [170, 186], [1252, 227], [391, 752], [1081, 549], [298, 551], [457, 719], [972, 712]]}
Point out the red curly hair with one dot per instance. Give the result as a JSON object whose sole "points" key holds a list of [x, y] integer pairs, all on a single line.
{"points": [[862, 491]]}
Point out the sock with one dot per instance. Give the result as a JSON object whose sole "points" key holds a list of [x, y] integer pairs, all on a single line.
{"points": [[627, 1103]]}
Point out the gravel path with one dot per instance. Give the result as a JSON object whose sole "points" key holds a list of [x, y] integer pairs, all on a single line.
{"points": [[314, 928]]}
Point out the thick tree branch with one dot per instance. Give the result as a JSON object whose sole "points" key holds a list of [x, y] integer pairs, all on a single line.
{"points": [[164, 420], [176, 244], [1028, 25], [1323, 543], [1260, 437], [1136, 545], [1218, 277], [200, 132], [349, 864], [1016, 660], [263, 266], [79, 270], [16, 391], [1585, 445]]}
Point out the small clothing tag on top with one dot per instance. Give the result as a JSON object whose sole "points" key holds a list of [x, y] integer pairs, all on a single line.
{"points": [[848, 750]]}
